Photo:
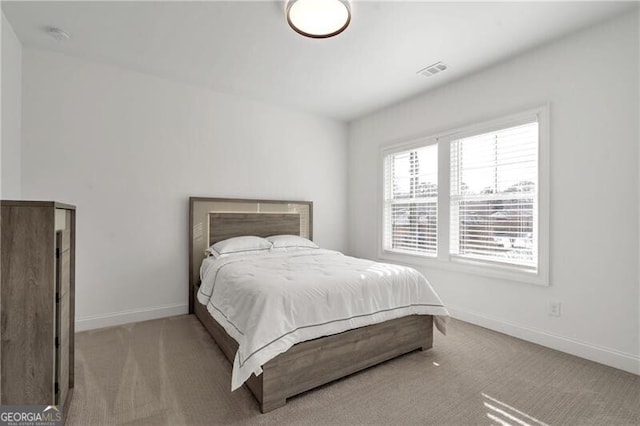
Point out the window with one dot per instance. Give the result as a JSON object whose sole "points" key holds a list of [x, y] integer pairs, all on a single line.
{"points": [[411, 201], [473, 199], [494, 182]]}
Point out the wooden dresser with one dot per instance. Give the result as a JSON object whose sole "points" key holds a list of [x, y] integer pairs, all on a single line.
{"points": [[37, 303]]}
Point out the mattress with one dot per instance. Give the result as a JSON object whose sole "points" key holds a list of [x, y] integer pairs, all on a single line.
{"points": [[270, 302]]}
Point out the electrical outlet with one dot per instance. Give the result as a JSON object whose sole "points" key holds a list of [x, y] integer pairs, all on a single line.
{"points": [[555, 309]]}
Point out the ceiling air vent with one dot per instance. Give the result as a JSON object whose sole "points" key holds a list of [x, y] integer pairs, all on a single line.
{"points": [[433, 69], [57, 33]]}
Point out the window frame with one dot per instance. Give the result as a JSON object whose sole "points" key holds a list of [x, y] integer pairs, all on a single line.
{"points": [[444, 259]]}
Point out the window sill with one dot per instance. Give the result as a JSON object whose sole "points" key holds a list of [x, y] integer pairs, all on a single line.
{"points": [[468, 266]]}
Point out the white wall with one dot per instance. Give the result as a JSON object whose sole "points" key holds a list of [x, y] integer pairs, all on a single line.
{"points": [[591, 82], [10, 150], [129, 149]]}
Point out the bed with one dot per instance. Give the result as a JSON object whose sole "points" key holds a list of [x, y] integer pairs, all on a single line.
{"points": [[306, 364]]}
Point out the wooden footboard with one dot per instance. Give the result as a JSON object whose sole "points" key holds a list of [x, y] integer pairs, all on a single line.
{"points": [[315, 362]]}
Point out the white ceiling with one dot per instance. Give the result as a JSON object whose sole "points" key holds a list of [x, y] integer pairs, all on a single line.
{"points": [[246, 48]]}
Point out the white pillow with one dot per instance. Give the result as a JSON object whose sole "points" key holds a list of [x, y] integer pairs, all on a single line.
{"points": [[290, 242], [239, 245]]}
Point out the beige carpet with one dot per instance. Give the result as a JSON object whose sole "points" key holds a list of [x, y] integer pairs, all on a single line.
{"points": [[170, 372]]}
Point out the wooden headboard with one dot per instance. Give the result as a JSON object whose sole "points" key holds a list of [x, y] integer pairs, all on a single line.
{"points": [[229, 225], [216, 219]]}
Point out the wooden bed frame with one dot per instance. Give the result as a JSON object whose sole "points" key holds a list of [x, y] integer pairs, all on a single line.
{"points": [[307, 364]]}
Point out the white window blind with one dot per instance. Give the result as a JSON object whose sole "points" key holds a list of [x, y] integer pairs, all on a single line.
{"points": [[411, 201], [494, 196]]}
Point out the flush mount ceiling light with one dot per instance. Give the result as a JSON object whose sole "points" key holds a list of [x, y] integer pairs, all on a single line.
{"points": [[318, 18]]}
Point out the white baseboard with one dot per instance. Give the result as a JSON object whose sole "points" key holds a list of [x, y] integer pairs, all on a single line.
{"points": [[613, 358], [134, 315]]}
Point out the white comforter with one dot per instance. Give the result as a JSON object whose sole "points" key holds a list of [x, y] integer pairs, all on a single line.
{"points": [[270, 302]]}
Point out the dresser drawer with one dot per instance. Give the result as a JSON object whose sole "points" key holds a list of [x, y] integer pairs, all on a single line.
{"points": [[62, 349], [63, 253]]}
